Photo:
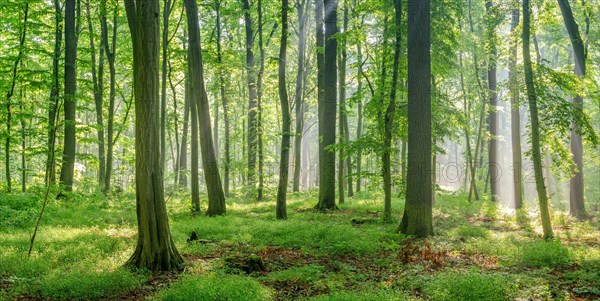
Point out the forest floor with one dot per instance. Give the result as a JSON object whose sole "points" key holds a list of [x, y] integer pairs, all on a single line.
{"points": [[479, 252]]}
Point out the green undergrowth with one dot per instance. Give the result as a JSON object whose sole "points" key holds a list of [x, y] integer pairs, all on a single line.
{"points": [[479, 251]]}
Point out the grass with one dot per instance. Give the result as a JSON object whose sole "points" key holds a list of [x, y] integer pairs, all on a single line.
{"points": [[479, 252]]}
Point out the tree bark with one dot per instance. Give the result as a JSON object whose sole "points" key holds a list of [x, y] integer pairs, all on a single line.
{"points": [[285, 117], [216, 198], [224, 103], [110, 55], [577, 200], [68, 162], [98, 86], [259, 91], [493, 167], [251, 138], [299, 96], [50, 176], [417, 217], [9, 95], [328, 107], [515, 119], [536, 156], [155, 249], [389, 117], [342, 114]]}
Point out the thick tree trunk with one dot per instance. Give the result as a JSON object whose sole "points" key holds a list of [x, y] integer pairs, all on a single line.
{"points": [[216, 198], [536, 156], [50, 176], [68, 162], [389, 117], [299, 97], [155, 249], [577, 200], [9, 95], [285, 117], [328, 108], [251, 138], [417, 217], [493, 166], [515, 120]]}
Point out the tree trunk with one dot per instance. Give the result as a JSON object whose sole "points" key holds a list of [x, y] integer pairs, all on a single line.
{"points": [[259, 129], [285, 117], [50, 176], [389, 117], [342, 114], [183, 153], [223, 102], [98, 86], [515, 120], [493, 167], [328, 107], [216, 198], [68, 162], [536, 156], [417, 217], [251, 138], [194, 147], [155, 249], [163, 83], [110, 55], [9, 95], [299, 97], [359, 123], [577, 200]]}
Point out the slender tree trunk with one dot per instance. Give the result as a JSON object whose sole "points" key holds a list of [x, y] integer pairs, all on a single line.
{"points": [[342, 114], [251, 138], [163, 83], [183, 153], [50, 177], [98, 86], [10, 93], [23, 143], [224, 103], [466, 107], [194, 148], [417, 218], [216, 198], [110, 55], [493, 167], [259, 129], [68, 162], [389, 117], [285, 117], [359, 123], [515, 120], [328, 109], [536, 156], [577, 200], [155, 249], [299, 97]]}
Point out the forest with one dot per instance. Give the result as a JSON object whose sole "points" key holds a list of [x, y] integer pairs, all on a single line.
{"points": [[300, 150]]}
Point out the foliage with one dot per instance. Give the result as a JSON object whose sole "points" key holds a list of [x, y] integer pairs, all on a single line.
{"points": [[543, 254], [216, 287], [472, 285]]}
